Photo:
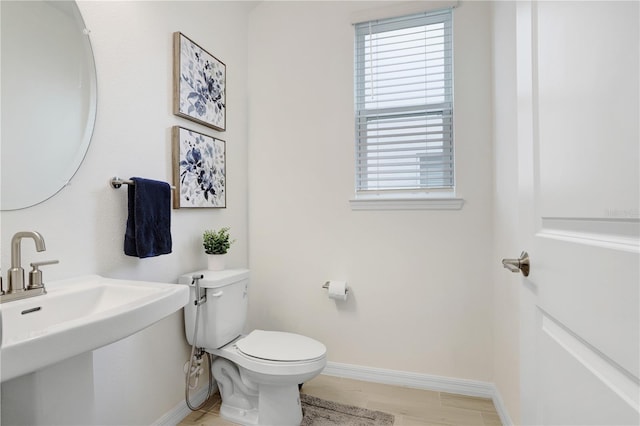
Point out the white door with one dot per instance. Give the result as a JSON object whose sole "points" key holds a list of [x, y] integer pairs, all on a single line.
{"points": [[578, 139]]}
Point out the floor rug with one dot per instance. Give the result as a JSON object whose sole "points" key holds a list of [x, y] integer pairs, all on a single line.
{"points": [[319, 412]]}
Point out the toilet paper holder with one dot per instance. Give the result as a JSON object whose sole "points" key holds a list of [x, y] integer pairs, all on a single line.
{"points": [[326, 286]]}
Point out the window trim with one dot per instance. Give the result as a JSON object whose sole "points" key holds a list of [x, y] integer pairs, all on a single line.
{"points": [[402, 199], [400, 202]]}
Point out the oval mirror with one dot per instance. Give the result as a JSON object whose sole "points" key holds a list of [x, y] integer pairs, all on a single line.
{"points": [[48, 93]]}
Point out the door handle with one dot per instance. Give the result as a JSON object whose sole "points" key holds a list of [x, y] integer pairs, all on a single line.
{"points": [[518, 265]]}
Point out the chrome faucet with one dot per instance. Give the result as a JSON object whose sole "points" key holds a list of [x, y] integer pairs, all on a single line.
{"points": [[15, 277]]}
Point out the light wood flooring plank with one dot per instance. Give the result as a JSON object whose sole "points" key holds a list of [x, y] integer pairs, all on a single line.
{"points": [[467, 402]]}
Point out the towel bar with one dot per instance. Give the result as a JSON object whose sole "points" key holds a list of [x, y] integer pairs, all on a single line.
{"points": [[116, 182]]}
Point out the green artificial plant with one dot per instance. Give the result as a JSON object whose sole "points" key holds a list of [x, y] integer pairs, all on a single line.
{"points": [[216, 242]]}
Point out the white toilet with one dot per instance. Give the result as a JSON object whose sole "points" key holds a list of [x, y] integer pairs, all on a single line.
{"points": [[258, 373]]}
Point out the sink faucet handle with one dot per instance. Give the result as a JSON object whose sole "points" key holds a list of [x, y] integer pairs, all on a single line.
{"points": [[35, 276], [36, 265]]}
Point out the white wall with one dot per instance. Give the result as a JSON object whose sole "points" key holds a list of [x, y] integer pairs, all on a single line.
{"points": [[140, 378], [506, 285], [421, 296]]}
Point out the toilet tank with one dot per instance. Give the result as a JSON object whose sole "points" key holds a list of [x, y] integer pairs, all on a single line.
{"points": [[223, 316]]}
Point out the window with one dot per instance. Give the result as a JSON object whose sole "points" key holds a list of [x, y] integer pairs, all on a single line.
{"points": [[404, 104]]}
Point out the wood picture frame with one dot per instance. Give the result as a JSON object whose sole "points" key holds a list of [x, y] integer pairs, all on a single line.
{"points": [[199, 84], [199, 169]]}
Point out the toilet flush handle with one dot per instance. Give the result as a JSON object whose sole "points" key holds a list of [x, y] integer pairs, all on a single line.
{"points": [[217, 293]]}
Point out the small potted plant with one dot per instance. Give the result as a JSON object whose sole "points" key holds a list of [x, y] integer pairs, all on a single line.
{"points": [[216, 243]]}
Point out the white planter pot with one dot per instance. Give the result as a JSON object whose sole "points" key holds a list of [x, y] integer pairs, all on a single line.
{"points": [[216, 262]]}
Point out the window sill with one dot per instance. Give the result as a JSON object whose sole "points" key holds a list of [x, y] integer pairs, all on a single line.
{"points": [[389, 203]]}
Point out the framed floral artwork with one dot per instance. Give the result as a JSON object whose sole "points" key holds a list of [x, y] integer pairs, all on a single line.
{"points": [[199, 84], [199, 169]]}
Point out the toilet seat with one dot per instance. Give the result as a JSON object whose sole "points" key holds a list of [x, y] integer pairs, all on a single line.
{"points": [[282, 368], [280, 346]]}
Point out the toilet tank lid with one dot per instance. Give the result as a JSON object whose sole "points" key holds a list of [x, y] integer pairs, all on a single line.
{"points": [[213, 279]]}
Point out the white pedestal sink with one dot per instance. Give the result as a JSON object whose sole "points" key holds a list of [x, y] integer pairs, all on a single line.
{"points": [[79, 315]]}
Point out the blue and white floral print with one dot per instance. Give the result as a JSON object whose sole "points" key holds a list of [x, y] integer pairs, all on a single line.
{"points": [[202, 170], [202, 85]]}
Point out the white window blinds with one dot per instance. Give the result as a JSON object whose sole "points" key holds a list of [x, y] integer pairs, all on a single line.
{"points": [[404, 103]]}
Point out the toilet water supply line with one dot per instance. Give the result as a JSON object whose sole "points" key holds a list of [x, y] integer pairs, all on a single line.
{"points": [[192, 371]]}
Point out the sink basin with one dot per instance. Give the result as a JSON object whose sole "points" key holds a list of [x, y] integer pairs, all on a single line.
{"points": [[79, 315]]}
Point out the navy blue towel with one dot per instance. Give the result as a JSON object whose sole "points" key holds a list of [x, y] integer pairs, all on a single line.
{"points": [[149, 223]]}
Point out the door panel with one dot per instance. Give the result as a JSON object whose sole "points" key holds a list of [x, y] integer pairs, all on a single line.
{"points": [[592, 291], [587, 78], [566, 360], [578, 145]]}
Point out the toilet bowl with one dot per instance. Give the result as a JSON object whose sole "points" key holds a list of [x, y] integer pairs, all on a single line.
{"points": [[258, 376], [258, 373]]}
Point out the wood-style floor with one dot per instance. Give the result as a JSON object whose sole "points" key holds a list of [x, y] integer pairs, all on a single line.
{"points": [[409, 406]]}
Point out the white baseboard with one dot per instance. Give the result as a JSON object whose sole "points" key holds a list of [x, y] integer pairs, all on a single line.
{"points": [[501, 408], [421, 381], [180, 411]]}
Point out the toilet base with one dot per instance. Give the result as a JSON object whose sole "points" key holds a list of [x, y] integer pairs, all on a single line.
{"points": [[277, 406], [239, 415], [249, 403]]}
